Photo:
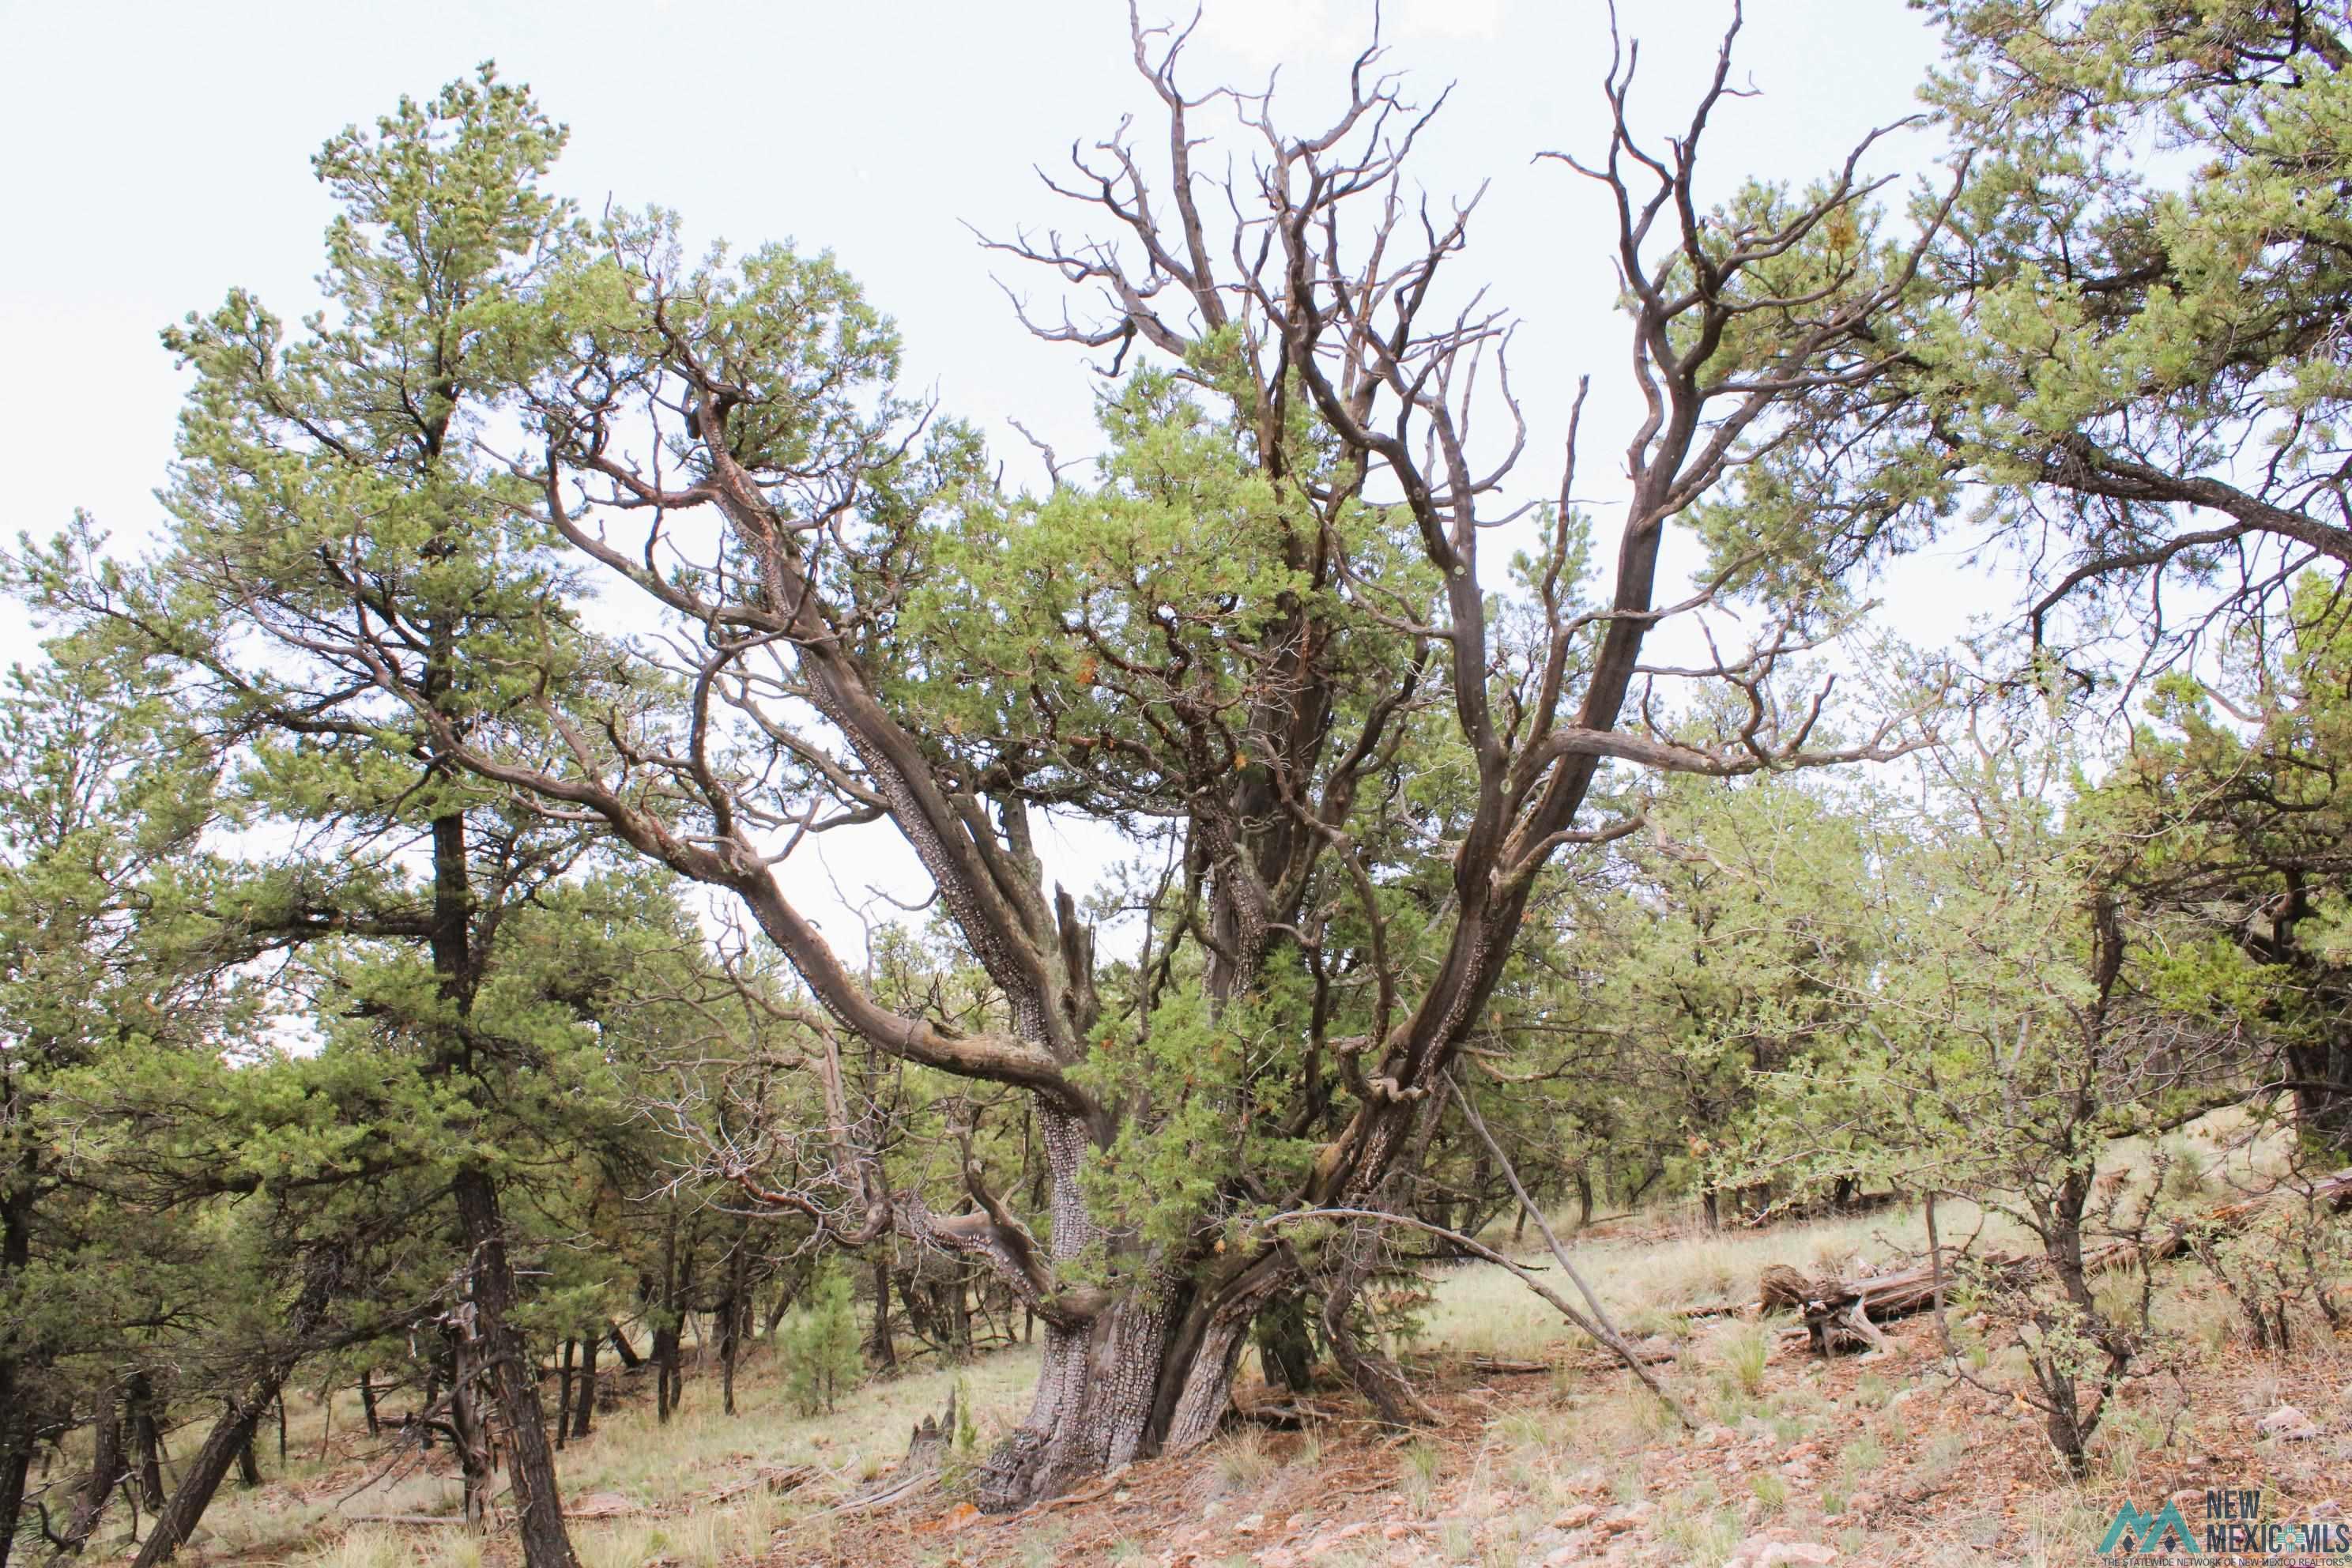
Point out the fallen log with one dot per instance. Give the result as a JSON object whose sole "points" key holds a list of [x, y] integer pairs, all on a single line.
{"points": [[1840, 1313], [1798, 1209], [780, 1480]]}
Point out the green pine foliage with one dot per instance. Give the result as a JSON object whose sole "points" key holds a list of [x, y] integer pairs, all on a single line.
{"points": [[817, 1342]]}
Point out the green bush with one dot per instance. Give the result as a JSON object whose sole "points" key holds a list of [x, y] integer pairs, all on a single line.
{"points": [[820, 1352]]}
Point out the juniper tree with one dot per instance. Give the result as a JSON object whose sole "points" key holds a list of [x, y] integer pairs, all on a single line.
{"points": [[1243, 645]]}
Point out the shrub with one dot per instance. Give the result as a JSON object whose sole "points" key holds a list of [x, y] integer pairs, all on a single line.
{"points": [[819, 1340]]}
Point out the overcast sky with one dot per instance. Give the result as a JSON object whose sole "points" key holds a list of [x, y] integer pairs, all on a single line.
{"points": [[158, 154]]}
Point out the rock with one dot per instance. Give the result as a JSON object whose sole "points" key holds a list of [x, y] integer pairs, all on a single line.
{"points": [[1395, 1532], [1712, 1437], [1576, 1518], [2331, 1509], [1807, 1551], [1349, 1531], [1277, 1557], [2288, 1424], [1566, 1554], [1250, 1525]]}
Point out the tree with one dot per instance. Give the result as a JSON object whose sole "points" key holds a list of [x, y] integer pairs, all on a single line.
{"points": [[1243, 645], [345, 588], [2133, 373], [2030, 1012], [2234, 788], [820, 1346], [99, 986]]}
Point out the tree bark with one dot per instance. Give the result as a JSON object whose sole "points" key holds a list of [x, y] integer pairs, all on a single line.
{"points": [[583, 1405], [248, 1467], [563, 1394], [106, 1469], [147, 1437], [18, 1425], [16, 1461], [530, 1462], [878, 1345]]}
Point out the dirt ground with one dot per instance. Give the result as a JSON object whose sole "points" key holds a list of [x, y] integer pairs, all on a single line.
{"points": [[1879, 1461]]}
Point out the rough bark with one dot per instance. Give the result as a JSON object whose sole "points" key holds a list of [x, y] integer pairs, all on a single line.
{"points": [[584, 1409], [106, 1470], [530, 1462]]}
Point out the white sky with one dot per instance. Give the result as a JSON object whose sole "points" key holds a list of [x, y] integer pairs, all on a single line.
{"points": [[158, 154]]}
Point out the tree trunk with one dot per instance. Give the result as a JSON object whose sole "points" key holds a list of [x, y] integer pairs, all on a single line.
{"points": [[16, 1462], [530, 1462], [18, 1425], [1285, 1344], [106, 1469], [147, 1437], [630, 1359], [2321, 1070], [665, 1321], [583, 1405], [730, 1316], [367, 1402], [469, 1432], [776, 1310], [248, 1467], [563, 1394], [1150, 1372], [233, 1433], [884, 1355], [204, 1474]]}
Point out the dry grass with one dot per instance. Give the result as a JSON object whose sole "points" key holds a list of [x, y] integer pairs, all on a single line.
{"points": [[1488, 1489]]}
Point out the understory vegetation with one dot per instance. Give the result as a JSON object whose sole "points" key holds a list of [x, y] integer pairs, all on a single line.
{"points": [[1401, 972]]}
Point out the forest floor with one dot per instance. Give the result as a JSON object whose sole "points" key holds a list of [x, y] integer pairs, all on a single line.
{"points": [[1547, 1454]]}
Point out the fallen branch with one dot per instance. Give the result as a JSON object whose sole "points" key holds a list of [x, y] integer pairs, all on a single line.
{"points": [[1599, 1326], [1836, 1311]]}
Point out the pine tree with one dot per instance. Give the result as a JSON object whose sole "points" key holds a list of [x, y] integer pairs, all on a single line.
{"points": [[819, 1345]]}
